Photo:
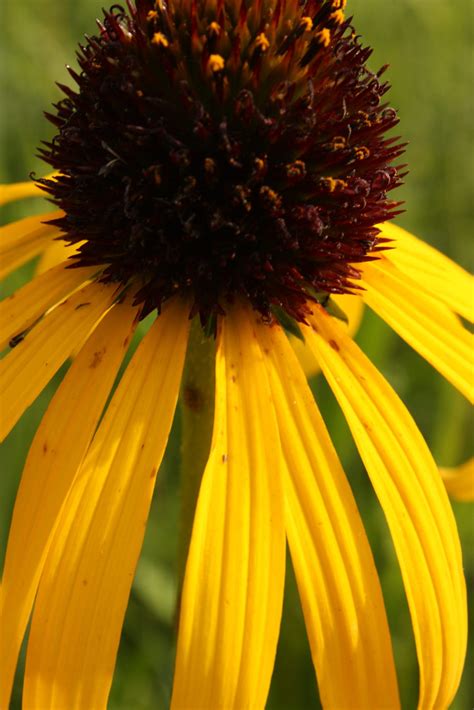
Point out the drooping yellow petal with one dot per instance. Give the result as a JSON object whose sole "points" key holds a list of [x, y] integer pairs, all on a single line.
{"points": [[89, 569], [431, 270], [54, 254], [29, 367], [353, 307], [410, 490], [25, 306], [425, 323], [20, 190], [233, 588], [459, 481], [338, 583], [53, 459], [24, 239]]}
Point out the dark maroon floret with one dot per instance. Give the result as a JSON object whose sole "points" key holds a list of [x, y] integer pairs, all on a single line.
{"points": [[225, 149]]}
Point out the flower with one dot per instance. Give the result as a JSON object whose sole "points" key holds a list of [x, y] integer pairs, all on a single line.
{"points": [[228, 163]]}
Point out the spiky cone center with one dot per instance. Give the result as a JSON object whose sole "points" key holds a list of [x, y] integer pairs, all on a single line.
{"points": [[225, 149]]}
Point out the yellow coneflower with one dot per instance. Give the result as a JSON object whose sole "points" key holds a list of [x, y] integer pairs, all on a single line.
{"points": [[225, 162]]}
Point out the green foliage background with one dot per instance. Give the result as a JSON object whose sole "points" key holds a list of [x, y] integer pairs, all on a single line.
{"points": [[427, 45]]}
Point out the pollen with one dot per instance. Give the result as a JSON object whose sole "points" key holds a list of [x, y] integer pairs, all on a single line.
{"points": [[338, 143], [337, 16], [210, 166], [332, 184], [261, 42], [155, 172], [338, 4], [324, 37], [214, 29], [242, 196], [270, 197], [260, 165], [361, 152], [363, 120], [152, 15], [160, 40], [306, 24], [216, 63], [296, 169]]}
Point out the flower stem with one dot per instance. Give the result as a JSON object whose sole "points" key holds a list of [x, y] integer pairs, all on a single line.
{"points": [[197, 410]]}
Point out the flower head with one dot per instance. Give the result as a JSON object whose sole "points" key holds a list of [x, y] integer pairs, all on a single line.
{"points": [[234, 150], [225, 159]]}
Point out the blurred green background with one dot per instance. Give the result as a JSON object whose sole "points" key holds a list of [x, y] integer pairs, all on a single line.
{"points": [[428, 46]]}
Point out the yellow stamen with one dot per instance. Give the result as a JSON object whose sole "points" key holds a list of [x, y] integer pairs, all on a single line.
{"points": [[363, 119], [332, 184], [271, 197], [324, 37], [242, 197], [214, 29], [362, 152], [152, 15], [306, 23], [261, 42], [260, 164], [338, 143], [209, 166], [216, 63], [160, 40], [296, 169], [337, 17]]}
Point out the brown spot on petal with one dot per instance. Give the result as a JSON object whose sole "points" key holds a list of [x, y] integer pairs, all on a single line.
{"points": [[334, 345], [97, 358]]}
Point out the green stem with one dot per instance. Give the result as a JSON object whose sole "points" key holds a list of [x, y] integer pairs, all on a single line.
{"points": [[197, 410]]}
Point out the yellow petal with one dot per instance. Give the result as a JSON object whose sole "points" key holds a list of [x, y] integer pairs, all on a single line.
{"points": [[233, 588], [353, 307], [23, 308], [20, 190], [89, 569], [424, 322], [22, 240], [54, 254], [408, 485], [24, 230], [29, 367], [338, 583], [55, 455], [431, 270], [459, 481]]}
